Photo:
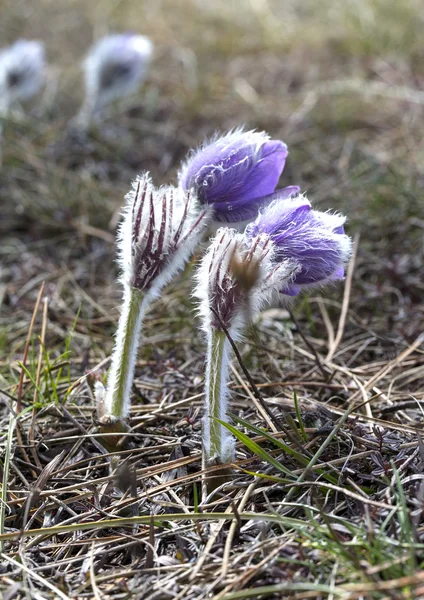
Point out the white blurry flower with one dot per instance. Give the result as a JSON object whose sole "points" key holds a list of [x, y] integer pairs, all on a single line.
{"points": [[22, 71], [114, 67]]}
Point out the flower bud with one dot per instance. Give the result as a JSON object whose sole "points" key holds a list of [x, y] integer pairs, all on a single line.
{"points": [[161, 228], [236, 174], [238, 275]]}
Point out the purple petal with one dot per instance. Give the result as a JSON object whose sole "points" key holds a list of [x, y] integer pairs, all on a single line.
{"points": [[263, 178], [234, 173], [289, 191], [244, 210], [278, 215], [311, 238], [338, 274], [340, 230], [292, 290]]}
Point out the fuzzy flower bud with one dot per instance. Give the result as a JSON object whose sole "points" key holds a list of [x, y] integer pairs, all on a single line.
{"points": [[160, 230], [314, 239], [236, 277], [115, 67], [236, 174], [22, 71]]}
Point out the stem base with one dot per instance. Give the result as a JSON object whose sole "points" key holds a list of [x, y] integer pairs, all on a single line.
{"points": [[110, 425], [219, 474]]}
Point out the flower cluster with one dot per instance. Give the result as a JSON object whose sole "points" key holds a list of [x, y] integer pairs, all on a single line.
{"points": [[114, 67], [285, 247]]}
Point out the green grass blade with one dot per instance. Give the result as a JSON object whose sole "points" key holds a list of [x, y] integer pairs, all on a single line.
{"points": [[278, 443], [256, 449], [6, 466], [303, 460], [299, 416]]}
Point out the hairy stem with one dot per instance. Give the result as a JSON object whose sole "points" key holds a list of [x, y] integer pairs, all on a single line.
{"points": [[117, 401], [218, 442]]}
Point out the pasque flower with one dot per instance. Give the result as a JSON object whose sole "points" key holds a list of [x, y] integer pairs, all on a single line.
{"points": [[288, 246], [238, 274], [115, 67], [315, 240], [22, 71], [236, 174], [161, 228]]}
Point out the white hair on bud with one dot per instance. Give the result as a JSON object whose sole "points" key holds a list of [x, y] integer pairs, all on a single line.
{"points": [[227, 444], [215, 276], [237, 276], [158, 234], [162, 225]]}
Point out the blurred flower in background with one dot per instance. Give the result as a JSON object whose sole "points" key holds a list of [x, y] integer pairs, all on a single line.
{"points": [[114, 67], [22, 72]]}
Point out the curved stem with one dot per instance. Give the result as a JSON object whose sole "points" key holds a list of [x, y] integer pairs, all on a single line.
{"points": [[117, 400]]}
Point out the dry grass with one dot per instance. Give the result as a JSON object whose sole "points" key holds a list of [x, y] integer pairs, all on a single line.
{"points": [[327, 495]]}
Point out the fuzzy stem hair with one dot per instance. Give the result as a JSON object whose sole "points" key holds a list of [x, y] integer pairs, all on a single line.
{"points": [[218, 442], [117, 400]]}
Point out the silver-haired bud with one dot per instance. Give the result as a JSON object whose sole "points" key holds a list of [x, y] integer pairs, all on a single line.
{"points": [[160, 230]]}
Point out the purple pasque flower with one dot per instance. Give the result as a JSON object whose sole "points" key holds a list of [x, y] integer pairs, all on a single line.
{"points": [[161, 229], [236, 174], [315, 240]]}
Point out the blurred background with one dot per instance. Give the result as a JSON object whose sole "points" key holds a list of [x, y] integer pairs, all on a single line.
{"points": [[342, 83]]}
